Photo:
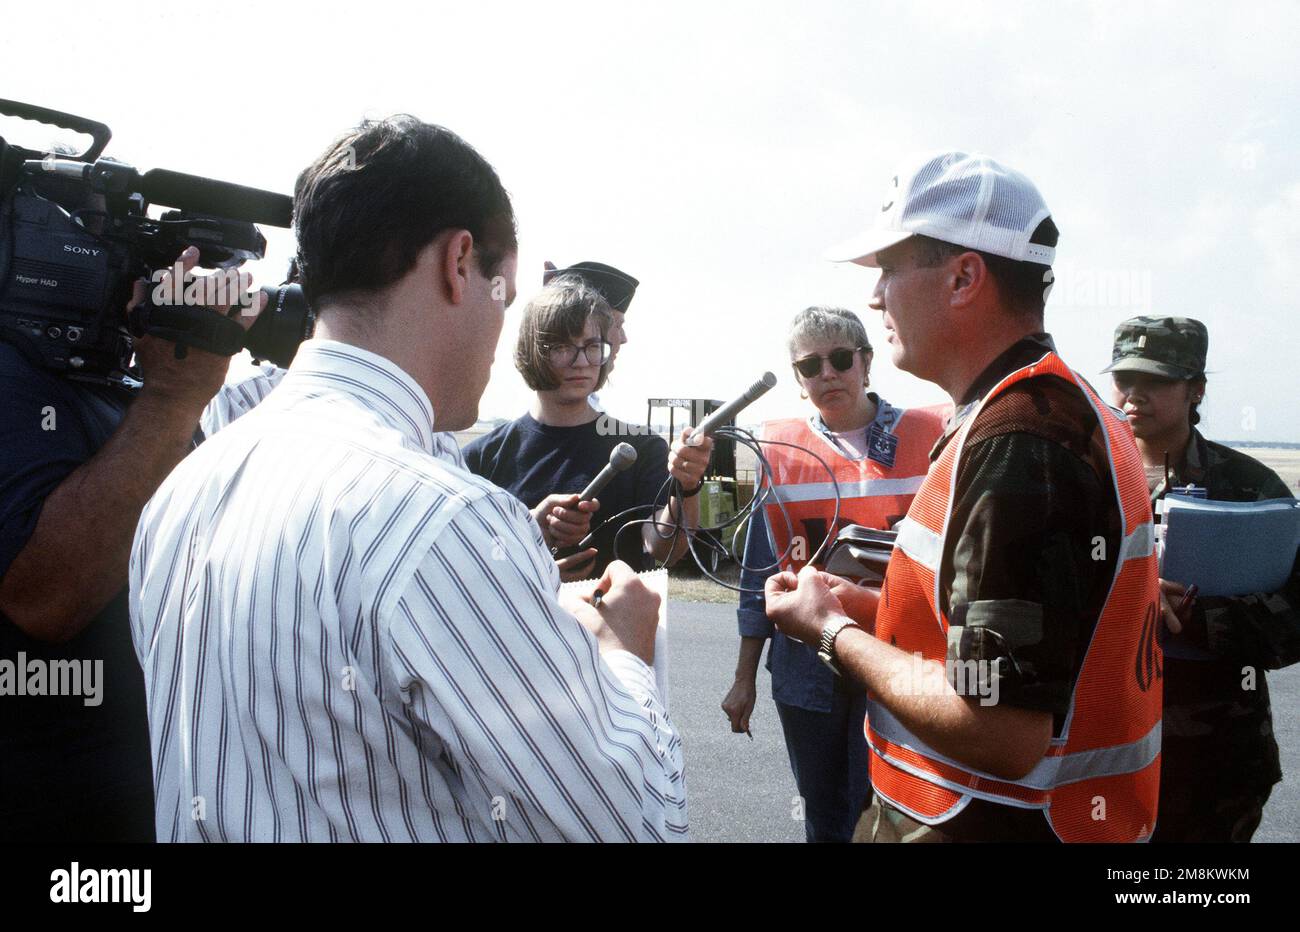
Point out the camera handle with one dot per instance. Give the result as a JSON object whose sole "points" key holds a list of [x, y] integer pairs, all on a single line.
{"points": [[186, 326], [97, 131]]}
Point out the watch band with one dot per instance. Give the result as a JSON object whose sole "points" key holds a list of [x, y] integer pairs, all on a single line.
{"points": [[695, 491], [826, 646]]}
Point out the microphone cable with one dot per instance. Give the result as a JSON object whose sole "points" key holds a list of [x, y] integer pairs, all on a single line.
{"points": [[674, 528]]}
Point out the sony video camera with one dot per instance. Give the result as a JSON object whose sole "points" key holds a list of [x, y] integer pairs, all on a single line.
{"points": [[75, 235]]}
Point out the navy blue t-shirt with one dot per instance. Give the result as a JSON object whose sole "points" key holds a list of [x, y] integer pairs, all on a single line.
{"points": [[68, 771], [532, 460]]}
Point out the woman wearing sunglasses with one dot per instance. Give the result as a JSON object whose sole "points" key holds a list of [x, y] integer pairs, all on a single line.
{"points": [[879, 454], [549, 455]]}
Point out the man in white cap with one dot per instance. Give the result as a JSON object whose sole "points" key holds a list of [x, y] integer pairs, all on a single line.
{"points": [[1011, 657]]}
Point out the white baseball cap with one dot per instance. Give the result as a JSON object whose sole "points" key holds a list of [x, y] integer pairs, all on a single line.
{"points": [[963, 198]]}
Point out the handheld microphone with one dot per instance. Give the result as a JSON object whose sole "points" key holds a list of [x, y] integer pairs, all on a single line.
{"points": [[728, 411], [620, 458]]}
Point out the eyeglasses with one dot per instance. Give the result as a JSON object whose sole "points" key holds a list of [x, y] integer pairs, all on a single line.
{"points": [[564, 355], [842, 359]]}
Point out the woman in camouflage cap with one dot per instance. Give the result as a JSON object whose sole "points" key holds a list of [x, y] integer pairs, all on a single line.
{"points": [[1219, 757]]}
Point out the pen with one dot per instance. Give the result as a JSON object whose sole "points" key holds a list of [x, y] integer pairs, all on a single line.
{"points": [[596, 597], [1188, 596]]}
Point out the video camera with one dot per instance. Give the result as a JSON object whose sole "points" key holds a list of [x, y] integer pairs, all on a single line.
{"points": [[75, 235]]}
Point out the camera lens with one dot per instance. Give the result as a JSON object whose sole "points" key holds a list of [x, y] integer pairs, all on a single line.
{"points": [[281, 327]]}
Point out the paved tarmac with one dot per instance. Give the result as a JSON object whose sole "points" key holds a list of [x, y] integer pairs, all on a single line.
{"points": [[742, 790]]}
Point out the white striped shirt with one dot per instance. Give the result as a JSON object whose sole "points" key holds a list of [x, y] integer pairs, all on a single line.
{"points": [[345, 637], [247, 385]]}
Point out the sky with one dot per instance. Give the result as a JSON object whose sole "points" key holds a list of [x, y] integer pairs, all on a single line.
{"points": [[716, 150]]}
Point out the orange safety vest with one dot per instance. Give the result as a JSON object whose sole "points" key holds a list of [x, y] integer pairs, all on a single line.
{"points": [[871, 493], [1099, 780]]}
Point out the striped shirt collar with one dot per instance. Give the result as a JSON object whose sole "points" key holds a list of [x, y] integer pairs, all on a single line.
{"points": [[373, 380]]}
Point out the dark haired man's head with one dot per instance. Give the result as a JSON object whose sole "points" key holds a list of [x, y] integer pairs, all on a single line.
{"points": [[1022, 286], [382, 192], [406, 248]]}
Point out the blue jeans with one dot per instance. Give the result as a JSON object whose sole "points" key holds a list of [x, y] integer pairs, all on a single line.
{"points": [[828, 754]]}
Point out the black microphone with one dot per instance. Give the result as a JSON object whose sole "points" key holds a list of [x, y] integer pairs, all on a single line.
{"points": [[220, 198], [728, 411], [620, 458]]}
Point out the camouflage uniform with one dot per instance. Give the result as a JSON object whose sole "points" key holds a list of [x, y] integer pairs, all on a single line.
{"points": [[1219, 756], [1220, 759]]}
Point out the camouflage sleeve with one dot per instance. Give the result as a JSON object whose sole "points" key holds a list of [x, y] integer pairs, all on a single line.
{"points": [[1021, 573]]}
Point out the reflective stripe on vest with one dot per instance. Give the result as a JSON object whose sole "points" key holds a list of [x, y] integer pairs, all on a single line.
{"points": [[926, 547], [871, 494], [920, 543], [818, 491], [1055, 769], [1099, 779]]}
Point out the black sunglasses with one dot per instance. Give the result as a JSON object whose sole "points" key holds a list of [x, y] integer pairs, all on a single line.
{"points": [[842, 359]]}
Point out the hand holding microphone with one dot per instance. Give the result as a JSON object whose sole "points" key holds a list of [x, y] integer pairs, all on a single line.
{"points": [[669, 535], [566, 519], [729, 411], [688, 460]]}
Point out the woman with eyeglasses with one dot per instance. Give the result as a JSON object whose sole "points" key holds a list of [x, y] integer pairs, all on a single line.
{"points": [[879, 455], [550, 454]]}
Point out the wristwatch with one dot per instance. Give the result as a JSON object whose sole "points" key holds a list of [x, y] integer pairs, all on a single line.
{"points": [[695, 491], [826, 647]]}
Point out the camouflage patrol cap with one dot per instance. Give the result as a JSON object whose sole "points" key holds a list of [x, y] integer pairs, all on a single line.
{"points": [[1173, 347]]}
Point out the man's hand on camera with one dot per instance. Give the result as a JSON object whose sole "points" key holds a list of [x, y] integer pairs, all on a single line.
{"points": [[187, 384], [627, 616], [107, 492]]}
